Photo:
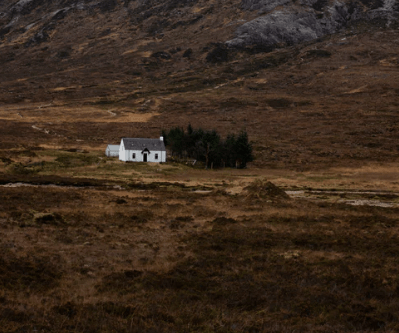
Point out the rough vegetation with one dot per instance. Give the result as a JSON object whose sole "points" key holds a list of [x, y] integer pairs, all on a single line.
{"points": [[327, 101], [89, 244], [263, 189], [109, 259]]}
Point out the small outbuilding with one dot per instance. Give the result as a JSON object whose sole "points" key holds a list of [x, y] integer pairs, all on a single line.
{"points": [[142, 150], [112, 151]]}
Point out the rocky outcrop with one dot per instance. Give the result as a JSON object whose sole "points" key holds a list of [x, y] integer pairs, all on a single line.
{"points": [[292, 24], [263, 6], [279, 22]]}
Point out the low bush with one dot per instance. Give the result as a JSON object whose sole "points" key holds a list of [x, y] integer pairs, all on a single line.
{"points": [[27, 273]]}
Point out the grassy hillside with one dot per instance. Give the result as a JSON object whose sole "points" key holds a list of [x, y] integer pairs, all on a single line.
{"points": [[332, 101]]}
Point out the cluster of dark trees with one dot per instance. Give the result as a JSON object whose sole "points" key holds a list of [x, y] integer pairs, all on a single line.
{"points": [[208, 147]]}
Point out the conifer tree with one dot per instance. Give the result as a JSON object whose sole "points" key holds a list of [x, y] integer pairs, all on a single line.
{"points": [[175, 139], [243, 150], [207, 146]]}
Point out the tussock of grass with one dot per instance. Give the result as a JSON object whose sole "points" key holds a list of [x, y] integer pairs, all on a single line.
{"points": [[156, 256], [239, 269], [263, 189], [28, 273], [48, 218]]}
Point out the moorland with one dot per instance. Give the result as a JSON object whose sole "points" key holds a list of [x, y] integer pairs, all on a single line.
{"points": [[91, 244]]}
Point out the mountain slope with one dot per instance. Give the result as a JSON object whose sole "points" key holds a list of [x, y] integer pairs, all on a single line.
{"points": [[99, 70]]}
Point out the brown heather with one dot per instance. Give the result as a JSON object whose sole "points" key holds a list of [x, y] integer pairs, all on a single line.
{"points": [[90, 244], [165, 254]]}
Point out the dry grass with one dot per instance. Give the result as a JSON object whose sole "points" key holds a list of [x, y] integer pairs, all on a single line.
{"points": [[302, 112], [35, 113], [155, 255], [116, 247]]}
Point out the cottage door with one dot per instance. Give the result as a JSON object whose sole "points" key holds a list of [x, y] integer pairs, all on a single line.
{"points": [[145, 157]]}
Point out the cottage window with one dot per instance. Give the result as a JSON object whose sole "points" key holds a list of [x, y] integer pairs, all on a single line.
{"points": [[156, 156], [134, 155]]}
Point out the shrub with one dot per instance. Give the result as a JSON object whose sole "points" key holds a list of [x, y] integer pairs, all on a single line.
{"points": [[208, 147]]}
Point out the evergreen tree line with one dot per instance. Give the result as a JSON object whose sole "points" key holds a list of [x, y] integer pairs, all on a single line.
{"points": [[208, 147]]}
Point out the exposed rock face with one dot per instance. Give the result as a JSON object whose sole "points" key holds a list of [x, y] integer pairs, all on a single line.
{"points": [[280, 22], [313, 19], [263, 6]]}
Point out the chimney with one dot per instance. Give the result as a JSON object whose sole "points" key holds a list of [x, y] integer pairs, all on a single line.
{"points": [[161, 138]]}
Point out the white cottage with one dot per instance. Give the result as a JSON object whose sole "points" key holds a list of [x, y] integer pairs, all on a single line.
{"points": [[142, 150], [112, 151]]}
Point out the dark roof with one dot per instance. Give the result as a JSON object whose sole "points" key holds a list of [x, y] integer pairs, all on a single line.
{"points": [[141, 144]]}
